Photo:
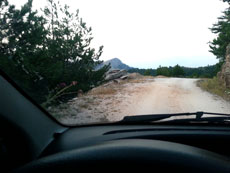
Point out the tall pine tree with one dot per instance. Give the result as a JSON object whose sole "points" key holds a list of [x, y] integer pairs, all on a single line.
{"points": [[222, 30]]}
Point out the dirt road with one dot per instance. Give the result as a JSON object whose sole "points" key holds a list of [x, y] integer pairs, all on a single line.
{"points": [[170, 95], [148, 96]]}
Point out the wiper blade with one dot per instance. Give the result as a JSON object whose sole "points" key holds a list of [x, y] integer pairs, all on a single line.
{"points": [[157, 117], [222, 119]]}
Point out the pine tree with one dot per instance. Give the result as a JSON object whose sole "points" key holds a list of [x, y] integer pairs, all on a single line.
{"points": [[222, 29], [178, 71], [22, 34], [40, 52], [68, 46]]}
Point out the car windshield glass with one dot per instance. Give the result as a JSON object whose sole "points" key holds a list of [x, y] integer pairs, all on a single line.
{"points": [[101, 61]]}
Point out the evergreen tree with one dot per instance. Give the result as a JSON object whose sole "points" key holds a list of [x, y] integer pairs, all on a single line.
{"points": [[40, 52], [222, 29], [178, 71], [22, 35], [163, 71], [68, 45]]}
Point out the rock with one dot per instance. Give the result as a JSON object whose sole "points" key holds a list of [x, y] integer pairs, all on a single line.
{"points": [[124, 77], [114, 63], [116, 81], [115, 74], [224, 74]]}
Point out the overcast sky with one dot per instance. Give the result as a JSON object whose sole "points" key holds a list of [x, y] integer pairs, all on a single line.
{"points": [[149, 33]]}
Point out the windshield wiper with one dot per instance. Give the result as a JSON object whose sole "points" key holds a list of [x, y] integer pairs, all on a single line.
{"points": [[157, 117]]}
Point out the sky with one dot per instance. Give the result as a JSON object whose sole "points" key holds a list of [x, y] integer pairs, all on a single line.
{"points": [[149, 33]]}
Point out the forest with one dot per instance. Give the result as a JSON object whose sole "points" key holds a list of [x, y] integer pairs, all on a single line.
{"points": [[179, 71]]}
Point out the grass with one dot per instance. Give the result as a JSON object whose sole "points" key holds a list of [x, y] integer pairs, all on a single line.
{"points": [[215, 87]]}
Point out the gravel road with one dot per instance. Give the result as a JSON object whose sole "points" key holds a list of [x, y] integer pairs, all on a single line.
{"points": [[140, 97], [175, 95]]}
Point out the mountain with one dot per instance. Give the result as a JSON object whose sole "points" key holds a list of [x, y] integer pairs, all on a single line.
{"points": [[115, 63]]}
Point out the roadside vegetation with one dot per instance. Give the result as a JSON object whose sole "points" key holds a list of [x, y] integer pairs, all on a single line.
{"points": [[179, 71], [218, 47], [215, 87], [48, 52], [176, 71]]}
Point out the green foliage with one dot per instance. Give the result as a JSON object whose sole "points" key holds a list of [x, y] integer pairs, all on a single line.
{"points": [[201, 72], [164, 71], [222, 30], [214, 86], [22, 36], [40, 52], [177, 71], [149, 72]]}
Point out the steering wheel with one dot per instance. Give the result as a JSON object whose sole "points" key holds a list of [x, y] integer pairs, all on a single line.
{"points": [[132, 154]]}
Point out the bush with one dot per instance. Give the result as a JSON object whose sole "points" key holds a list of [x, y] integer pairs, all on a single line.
{"points": [[215, 87], [41, 52]]}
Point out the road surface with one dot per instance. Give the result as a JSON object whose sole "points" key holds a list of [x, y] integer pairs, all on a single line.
{"points": [[170, 95], [148, 96]]}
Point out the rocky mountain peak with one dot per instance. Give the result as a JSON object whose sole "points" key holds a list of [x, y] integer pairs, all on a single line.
{"points": [[115, 63]]}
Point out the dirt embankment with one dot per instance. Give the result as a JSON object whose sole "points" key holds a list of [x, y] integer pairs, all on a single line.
{"points": [[139, 96]]}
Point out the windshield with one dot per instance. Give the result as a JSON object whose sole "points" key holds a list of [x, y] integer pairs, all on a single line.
{"points": [[89, 62]]}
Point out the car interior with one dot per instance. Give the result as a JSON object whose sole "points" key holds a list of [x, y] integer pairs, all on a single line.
{"points": [[33, 141], [131, 112]]}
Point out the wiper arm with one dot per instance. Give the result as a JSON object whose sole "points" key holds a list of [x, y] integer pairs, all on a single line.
{"points": [[221, 119], [157, 117]]}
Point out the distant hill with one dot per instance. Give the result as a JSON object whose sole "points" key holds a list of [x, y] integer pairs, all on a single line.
{"points": [[197, 72], [115, 63]]}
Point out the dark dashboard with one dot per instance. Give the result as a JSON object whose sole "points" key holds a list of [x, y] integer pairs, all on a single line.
{"points": [[215, 139], [32, 141]]}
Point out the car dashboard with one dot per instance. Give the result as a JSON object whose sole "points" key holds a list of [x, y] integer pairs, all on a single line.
{"points": [[215, 139]]}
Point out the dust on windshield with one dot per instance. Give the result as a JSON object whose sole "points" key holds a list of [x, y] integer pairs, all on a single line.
{"points": [[142, 58]]}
